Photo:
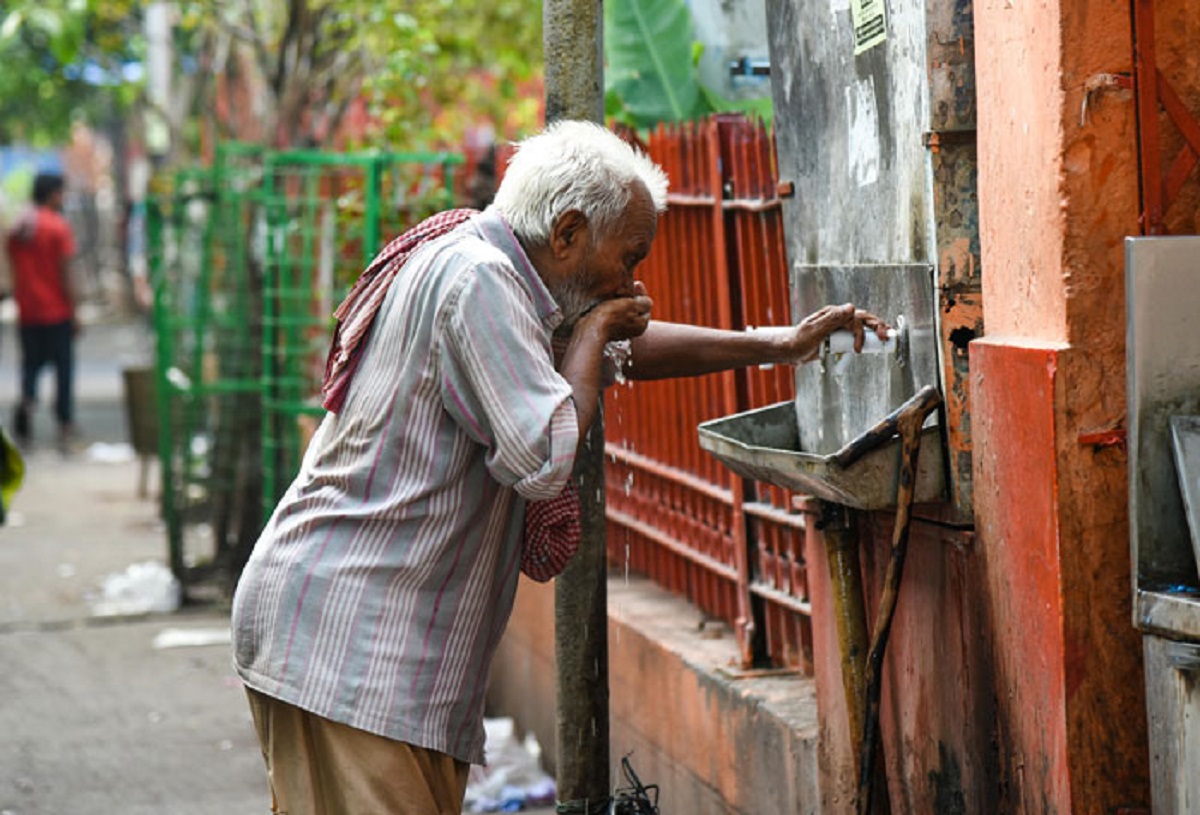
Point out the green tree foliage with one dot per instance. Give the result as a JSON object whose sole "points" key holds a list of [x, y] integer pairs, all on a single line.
{"points": [[289, 67], [651, 58], [62, 59], [650, 62], [426, 67], [446, 65]]}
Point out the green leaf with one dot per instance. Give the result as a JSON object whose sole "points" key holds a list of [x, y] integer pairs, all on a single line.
{"points": [[47, 20], [11, 25], [762, 109], [649, 65], [615, 110]]}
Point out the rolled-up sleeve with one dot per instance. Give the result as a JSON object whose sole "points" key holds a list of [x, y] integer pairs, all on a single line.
{"points": [[499, 383]]}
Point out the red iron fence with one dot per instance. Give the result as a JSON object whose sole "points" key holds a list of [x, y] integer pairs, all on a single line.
{"points": [[733, 547]]}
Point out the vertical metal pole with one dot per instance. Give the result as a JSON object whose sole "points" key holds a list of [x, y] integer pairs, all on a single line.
{"points": [[164, 303], [272, 196], [372, 231], [849, 614], [572, 37], [727, 281], [581, 649], [1145, 77]]}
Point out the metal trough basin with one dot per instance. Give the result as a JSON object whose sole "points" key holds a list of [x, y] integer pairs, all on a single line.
{"points": [[764, 444]]}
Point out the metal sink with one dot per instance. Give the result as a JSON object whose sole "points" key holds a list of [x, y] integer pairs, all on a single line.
{"points": [[764, 444]]}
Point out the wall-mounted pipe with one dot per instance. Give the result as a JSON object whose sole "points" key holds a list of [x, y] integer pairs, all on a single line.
{"points": [[908, 421]]}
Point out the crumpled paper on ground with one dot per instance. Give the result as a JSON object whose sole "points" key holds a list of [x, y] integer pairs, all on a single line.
{"points": [[143, 588], [513, 777]]}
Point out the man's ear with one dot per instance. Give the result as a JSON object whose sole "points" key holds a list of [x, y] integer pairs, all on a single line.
{"points": [[568, 233]]}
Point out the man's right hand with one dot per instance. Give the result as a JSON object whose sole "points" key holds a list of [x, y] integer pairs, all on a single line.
{"points": [[621, 318]]}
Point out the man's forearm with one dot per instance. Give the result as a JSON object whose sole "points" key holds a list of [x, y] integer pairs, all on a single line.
{"points": [[581, 367], [673, 349]]}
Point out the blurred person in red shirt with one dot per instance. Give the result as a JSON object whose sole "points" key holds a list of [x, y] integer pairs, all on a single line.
{"points": [[40, 247]]}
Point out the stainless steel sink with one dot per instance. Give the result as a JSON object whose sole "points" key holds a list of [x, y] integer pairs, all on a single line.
{"points": [[764, 444]]}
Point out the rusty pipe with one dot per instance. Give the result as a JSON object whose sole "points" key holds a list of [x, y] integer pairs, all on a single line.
{"points": [[849, 613], [923, 403], [908, 422]]}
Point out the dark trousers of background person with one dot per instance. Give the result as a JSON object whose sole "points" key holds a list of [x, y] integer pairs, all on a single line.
{"points": [[43, 345]]}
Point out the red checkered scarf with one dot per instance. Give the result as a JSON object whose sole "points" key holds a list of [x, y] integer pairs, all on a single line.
{"points": [[552, 529], [356, 314]]}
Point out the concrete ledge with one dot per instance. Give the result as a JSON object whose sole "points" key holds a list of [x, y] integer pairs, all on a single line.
{"points": [[711, 741]]}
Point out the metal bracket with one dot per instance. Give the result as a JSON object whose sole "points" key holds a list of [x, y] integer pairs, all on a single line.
{"points": [[1184, 656], [937, 139], [750, 67]]}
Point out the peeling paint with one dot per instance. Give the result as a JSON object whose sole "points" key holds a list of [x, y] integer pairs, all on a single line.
{"points": [[862, 132]]}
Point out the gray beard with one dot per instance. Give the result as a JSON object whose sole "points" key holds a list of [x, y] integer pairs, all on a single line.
{"points": [[573, 300]]}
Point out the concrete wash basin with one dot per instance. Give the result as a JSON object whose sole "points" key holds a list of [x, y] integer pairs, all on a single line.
{"points": [[764, 444]]}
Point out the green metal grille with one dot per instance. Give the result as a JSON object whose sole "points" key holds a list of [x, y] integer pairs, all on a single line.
{"points": [[327, 216], [248, 258], [208, 330], [230, 377], [180, 231]]}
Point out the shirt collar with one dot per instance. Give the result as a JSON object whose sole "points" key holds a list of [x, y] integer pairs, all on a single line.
{"points": [[495, 230]]}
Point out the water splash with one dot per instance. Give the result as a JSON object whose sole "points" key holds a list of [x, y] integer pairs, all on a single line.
{"points": [[617, 353]]}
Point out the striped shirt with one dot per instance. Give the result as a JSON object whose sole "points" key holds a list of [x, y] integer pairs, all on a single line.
{"points": [[380, 587]]}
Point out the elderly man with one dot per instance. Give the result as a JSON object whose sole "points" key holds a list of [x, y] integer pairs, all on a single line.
{"points": [[367, 616]]}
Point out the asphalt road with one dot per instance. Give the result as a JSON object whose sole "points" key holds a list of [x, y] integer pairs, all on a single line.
{"points": [[93, 717], [97, 720]]}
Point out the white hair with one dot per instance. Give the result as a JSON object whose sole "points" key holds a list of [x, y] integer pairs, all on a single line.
{"points": [[574, 165]]}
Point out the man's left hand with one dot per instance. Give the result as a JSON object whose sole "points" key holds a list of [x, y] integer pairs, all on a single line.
{"points": [[804, 344]]}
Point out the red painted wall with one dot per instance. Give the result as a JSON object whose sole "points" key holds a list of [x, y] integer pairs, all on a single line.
{"points": [[1013, 679], [1058, 194], [1013, 391], [939, 691]]}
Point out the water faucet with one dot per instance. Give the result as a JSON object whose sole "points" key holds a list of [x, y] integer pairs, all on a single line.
{"points": [[840, 344]]}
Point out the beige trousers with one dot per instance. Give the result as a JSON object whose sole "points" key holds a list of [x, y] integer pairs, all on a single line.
{"points": [[319, 767]]}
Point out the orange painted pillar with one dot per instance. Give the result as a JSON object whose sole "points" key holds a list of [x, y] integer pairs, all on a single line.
{"points": [[1058, 193]]}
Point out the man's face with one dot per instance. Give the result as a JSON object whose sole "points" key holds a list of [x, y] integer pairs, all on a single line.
{"points": [[607, 265]]}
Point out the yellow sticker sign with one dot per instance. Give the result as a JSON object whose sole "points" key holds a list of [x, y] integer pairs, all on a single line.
{"points": [[870, 24]]}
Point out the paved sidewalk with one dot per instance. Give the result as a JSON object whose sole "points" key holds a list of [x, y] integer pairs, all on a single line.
{"points": [[94, 717]]}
